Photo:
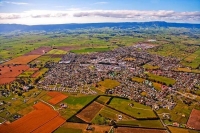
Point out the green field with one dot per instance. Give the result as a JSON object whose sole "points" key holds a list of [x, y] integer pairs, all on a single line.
{"points": [[161, 79], [143, 123], [75, 103], [40, 62], [103, 99], [138, 110], [148, 66], [89, 50], [192, 60], [56, 51], [26, 74], [109, 83], [67, 130], [137, 79]]}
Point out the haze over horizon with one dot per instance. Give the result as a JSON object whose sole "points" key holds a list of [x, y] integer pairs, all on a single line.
{"points": [[94, 11]]}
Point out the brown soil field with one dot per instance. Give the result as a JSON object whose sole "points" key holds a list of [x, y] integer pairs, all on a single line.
{"points": [[42, 117], [39, 51], [194, 120], [56, 97], [6, 80], [33, 69], [8, 73], [138, 130], [97, 128], [90, 112], [25, 59], [50, 126], [35, 74]]}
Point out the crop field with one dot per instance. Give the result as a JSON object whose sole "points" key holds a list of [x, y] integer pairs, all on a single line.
{"points": [[138, 110], [192, 60], [56, 97], [88, 113], [181, 130], [39, 73], [45, 119], [70, 127], [180, 110], [56, 51], [150, 67], [106, 114], [26, 74], [137, 130], [103, 99], [161, 79], [142, 123], [40, 62], [89, 50], [75, 103], [39, 51], [25, 59], [8, 73], [194, 119], [109, 83], [157, 86]]}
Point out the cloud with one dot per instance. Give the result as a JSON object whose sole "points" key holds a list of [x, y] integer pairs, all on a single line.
{"points": [[57, 15], [81, 16], [15, 3], [136, 14]]}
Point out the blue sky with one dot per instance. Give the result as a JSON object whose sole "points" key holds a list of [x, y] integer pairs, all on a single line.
{"points": [[33, 12]]}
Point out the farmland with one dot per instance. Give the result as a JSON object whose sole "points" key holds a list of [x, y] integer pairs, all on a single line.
{"points": [[104, 85], [90, 111], [138, 110], [43, 117], [56, 97], [161, 79]]}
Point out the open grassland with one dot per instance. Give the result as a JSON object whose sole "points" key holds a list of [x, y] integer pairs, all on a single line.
{"points": [[161, 79], [186, 69], [137, 79], [150, 67], [75, 103], [157, 86], [138, 110]]}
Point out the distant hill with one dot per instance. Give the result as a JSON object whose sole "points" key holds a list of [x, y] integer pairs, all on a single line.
{"points": [[124, 25]]}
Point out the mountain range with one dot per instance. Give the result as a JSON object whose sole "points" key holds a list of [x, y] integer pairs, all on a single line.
{"points": [[122, 25]]}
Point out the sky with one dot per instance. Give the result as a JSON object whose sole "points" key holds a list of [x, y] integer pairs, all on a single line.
{"points": [[35, 12]]}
